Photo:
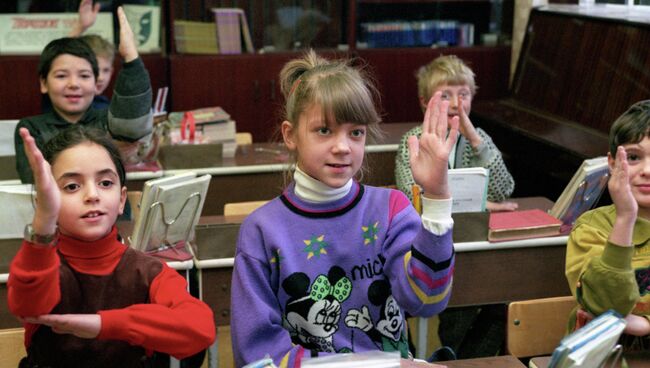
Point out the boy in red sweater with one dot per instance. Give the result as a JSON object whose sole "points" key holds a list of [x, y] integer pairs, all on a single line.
{"points": [[87, 299]]}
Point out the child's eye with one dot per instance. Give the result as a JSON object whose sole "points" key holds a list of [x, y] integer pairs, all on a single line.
{"points": [[106, 183], [633, 157], [71, 187], [464, 95], [445, 96], [358, 133], [323, 131]]}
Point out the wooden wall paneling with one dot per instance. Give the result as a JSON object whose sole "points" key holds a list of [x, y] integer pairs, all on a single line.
{"points": [[394, 71], [20, 94]]}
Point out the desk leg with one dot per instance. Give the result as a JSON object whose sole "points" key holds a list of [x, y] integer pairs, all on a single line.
{"points": [[213, 355], [423, 332]]}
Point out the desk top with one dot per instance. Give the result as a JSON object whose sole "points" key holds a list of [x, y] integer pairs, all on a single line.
{"points": [[264, 157], [634, 360], [505, 361]]}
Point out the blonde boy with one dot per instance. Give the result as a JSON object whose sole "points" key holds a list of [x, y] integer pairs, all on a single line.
{"points": [[474, 148]]}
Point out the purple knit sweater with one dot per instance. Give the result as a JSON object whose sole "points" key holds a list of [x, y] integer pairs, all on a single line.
{"points": [[334, 277]]}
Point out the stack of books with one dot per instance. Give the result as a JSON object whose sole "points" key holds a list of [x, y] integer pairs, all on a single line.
{"points": [[206, 126]]}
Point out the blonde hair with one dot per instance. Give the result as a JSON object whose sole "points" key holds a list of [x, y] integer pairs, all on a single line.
{"points": [[100, 46], [449, 70], [345, 93]]}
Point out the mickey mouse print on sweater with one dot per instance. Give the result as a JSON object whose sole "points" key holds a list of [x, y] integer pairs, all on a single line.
{"points": [[313, 312]]}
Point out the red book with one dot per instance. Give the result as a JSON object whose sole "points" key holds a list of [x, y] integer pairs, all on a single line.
{"points": [[522, 225]]}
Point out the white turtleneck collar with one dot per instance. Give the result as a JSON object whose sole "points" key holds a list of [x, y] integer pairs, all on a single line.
{"points": [[312, 190]]}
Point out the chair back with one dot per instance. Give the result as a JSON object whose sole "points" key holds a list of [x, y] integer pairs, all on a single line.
{"points": [[12, 346], [241, 208], [535, 327], [243, 138]]}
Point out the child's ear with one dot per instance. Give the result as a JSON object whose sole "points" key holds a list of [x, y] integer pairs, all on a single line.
{"points": [[122, 200], [423, 103], [287, 135], [611, 161], [43, 83]]}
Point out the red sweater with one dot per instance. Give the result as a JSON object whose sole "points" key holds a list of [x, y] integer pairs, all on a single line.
{"points": [[172, 322]]}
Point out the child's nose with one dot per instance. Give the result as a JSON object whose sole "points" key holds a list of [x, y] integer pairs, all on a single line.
{"points": [[73, 82], [342, 145], [453, 102], [92, 194]]}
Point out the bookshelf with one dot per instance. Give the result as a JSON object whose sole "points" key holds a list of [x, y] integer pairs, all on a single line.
{"points": [[246, 85]]}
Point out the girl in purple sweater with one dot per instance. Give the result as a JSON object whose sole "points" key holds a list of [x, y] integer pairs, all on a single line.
{"points": [[332, 265]]}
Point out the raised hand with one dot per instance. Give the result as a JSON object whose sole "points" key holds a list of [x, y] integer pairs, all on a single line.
{"points": [[429, 155], [128, 48], [619, 186], [466, 127], [86, 326], [87, 16], [48, 197]]}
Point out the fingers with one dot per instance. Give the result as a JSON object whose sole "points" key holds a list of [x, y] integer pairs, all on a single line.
{"points": [[81, 325], [432, 113], [34, 155], [414, 147], [453, 132], [127, 47]]}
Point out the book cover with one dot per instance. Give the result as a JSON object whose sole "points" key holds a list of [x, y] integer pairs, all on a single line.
{"points": [[591, 345], [583, 191], [468, 187], [20, 199], [535, 223], [228, 30], [149, 194], [175, 213], [246, 33]]}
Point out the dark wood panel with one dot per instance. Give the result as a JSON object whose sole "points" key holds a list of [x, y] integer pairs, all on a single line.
{"points": [[23, 98], [247, 86], [584, 69], [394, 70], [504, 275]]}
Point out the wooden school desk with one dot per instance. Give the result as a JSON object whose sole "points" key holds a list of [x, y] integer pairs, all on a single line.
{"points": [[257, 171], [639, 359], [485, 272], [504, 361]]}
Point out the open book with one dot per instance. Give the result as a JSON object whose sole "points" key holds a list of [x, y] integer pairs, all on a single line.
{"points": [[169, 210], [582, 192], [590, 345], [468, 188], [20, 199]]}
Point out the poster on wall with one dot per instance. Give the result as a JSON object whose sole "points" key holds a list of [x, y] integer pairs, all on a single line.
{"points": [[145, 23], [28, 33]]}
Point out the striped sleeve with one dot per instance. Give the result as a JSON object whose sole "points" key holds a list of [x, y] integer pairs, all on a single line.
{"points": [[420, 263]]}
